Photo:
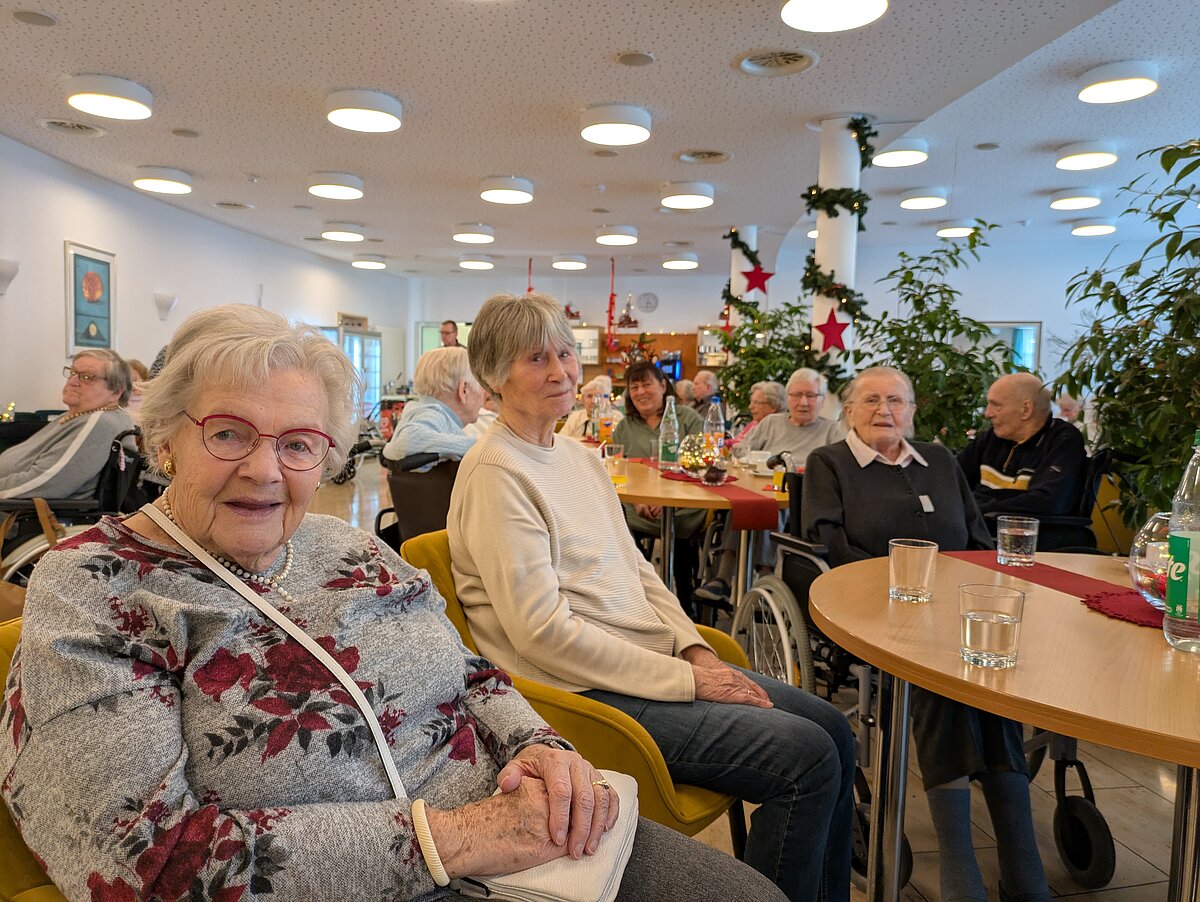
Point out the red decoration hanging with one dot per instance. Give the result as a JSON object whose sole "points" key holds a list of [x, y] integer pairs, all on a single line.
{"points": [[757, 278], [610, 337], [831, 332], [530, 288]]}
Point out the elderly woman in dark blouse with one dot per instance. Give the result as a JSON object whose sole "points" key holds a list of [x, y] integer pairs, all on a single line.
{"points": [[859, 494]]}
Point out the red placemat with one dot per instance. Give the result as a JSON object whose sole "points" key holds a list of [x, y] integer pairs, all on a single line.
{"points": [[1127, 604], [747, 509], [1043, 574]]}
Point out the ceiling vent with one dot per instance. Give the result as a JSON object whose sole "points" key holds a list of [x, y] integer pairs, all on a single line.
{"points": [[774, 63], [702, 156], [233, 205], [67, 127]]}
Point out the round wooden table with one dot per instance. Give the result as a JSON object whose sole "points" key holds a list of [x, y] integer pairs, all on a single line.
{"points": [[1079, 673], [647, 486]]}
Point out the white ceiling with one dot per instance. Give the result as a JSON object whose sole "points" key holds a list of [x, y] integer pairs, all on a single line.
{"points": [[496, 86]]}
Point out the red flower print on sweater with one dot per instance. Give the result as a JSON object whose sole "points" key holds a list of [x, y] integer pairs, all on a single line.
{"points": [[223, 670], [292, 668]]}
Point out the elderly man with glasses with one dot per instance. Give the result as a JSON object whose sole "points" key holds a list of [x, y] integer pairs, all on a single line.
{"points": [[64, 459]]}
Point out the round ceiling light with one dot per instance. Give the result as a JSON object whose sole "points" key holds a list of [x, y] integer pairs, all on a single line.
{"points": [[616, 236], [478, 262], [614, 125], [335, 185], [110, 97], [473, 233], [902, 152], [1075, 199], [364, 111], [569, 262], [342, 231], [687, 195], [1118, 82], [955, 229], [506, 189], [1089, 228], [1088, 155], [823, 16], [369, 261], [923, 199], [161, 180], [682, 260]]}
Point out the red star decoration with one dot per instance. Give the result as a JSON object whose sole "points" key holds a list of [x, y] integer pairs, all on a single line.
{"points": [[757, 278], [831, 332]]}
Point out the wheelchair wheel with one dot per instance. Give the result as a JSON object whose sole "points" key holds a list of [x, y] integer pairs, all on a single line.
{"points": [[858, 855], [771, 630], [1085, 843]]}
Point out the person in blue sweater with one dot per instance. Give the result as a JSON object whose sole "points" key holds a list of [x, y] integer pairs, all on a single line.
{"points": [[449, 399]]}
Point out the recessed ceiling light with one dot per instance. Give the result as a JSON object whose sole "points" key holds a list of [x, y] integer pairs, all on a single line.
{"points": [[1087, 155], [923, 199], [1075, 199], [342, 231], [681, 260], [335, 185], [185, 133], [1088, 228], [506, 189], [476, 262], [30, 17], [110, 97], [364, 111], [616, 235], [614, 124], [823, 16], [369, 261], [635, 58], [956, 229], [812, 233], [687, 195], [1118, 82], [161, 180], [473, 233], [902, 152], [569, 262]]}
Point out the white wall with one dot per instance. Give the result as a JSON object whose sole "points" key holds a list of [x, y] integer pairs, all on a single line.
{"points": [[158, 248]]}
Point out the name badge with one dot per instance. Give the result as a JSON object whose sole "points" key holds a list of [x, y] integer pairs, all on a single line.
{"points": [[926, 504]]}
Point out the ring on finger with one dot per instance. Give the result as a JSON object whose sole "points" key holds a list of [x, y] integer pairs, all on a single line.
{"points": [[603, 783]]}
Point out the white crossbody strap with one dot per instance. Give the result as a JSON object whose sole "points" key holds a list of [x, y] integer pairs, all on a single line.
{"points": [[285, 624]]}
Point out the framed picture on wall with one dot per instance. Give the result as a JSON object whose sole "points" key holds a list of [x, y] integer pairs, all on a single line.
{"points": [[91, 310]]}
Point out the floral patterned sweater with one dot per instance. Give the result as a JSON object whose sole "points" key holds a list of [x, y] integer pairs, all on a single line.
{"points": [[160, 739]]}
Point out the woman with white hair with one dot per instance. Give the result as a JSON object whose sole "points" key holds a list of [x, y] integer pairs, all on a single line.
{"points": [[556, 590], [449, 398], [578, 419]]}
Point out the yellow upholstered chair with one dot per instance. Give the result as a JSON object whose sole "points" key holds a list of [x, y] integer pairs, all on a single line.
{"points": [[21, 877], [607, 737]]}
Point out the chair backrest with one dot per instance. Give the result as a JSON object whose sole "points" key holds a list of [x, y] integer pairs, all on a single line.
{"points": [[422, 500], [431, 552], [115, 487], [21, 872], [1099, 465]]}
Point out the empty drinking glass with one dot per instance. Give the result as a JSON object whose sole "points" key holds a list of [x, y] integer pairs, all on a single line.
{"points": [[618, 466], [991, 624], [1016, 540], [911, 565]]}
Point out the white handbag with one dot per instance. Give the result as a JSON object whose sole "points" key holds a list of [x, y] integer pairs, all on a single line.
{"points": [[593, 878]]}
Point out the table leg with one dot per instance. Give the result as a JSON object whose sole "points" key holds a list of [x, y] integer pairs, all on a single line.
{"points": [[1185, 842], [887, 801], [745, 573], [666, 558]]}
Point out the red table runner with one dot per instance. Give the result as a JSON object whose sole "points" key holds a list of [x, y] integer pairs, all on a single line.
{"points": [[747, 509]]}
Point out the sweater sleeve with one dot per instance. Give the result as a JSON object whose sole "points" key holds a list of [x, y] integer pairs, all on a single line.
{"points": [[420, 435], [66, 468], [95, 773], [668, 608], [510, 548], [823, 515]]}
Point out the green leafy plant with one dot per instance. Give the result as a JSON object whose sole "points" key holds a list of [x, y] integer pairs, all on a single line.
{"points": [[1139, 356], [951, 358]]}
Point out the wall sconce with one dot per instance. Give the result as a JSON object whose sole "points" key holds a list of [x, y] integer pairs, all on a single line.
{"points": [[8, 272], [165, 304]]}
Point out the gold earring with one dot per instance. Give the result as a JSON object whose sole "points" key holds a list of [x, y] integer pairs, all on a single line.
{"points": [[168, 467]]}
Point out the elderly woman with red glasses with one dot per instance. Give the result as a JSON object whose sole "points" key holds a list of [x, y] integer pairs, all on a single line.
{"points": [[161, 738]]}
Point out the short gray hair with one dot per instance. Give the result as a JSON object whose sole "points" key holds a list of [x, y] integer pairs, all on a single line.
{"points": [[440, 372], [241, 346], [683, 388], [599, 384], [775, 394], [117, 375], [706, 376], [806, 374], [848, 397], [510, 325]]}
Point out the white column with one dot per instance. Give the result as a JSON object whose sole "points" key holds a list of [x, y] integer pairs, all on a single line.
{"points": [[738, 264], [837, 236]]}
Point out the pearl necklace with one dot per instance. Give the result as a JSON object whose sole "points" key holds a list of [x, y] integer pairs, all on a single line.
{"points": [[84, 413], [271, 582]]}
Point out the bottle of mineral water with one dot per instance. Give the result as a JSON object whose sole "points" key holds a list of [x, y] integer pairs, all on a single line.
{"points": [[714, 427], [668, 439], [1181, 619]]}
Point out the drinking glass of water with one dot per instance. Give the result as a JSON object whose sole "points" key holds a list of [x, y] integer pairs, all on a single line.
{"points": [[910, 570], [991, 624], [1016, 540]]}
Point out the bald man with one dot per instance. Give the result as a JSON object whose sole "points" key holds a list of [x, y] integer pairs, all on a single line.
{"points": [[1028, 462]]}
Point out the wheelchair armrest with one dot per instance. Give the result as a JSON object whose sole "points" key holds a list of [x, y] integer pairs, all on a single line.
{"points": [[411, 462], [724, 645], [794, 543], [58, 505]]}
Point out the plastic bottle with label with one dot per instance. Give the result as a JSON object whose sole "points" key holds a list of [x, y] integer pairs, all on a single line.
{"points": [[714, 427], [668, 439], [1181, 619], [607, 421]]}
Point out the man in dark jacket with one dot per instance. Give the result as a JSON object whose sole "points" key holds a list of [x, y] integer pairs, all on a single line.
{"points": [[1027, 462]]}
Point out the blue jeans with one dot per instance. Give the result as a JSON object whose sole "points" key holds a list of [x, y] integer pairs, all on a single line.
{"points": [[795, 760]]}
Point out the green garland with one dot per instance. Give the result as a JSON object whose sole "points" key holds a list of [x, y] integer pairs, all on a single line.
{"points": [[862, 132], [816, 281], [829, 200], [728, 298]]}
